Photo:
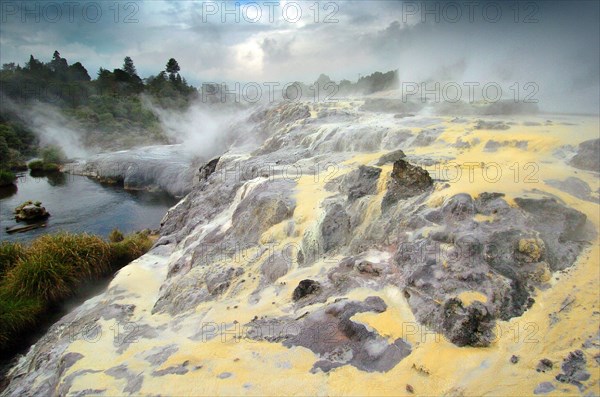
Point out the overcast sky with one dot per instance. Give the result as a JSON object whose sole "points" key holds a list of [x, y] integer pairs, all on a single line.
{"points": [[554, 44]]}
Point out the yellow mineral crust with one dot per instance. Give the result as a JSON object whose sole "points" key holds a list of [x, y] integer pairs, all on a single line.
{"points": [[435, 367]]}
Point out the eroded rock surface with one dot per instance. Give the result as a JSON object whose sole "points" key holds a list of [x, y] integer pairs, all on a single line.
{"points": [[304, 256]]}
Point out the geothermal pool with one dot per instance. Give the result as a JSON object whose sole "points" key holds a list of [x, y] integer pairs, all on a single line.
{"points": [[79, 204]]}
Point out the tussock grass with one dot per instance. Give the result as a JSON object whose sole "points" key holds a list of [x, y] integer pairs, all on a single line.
{"points": [[115, 236], [129, 249], [10, 253], [50, 269]]}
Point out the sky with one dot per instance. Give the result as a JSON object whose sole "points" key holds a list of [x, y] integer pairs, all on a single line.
{"points": [[547, 49]]}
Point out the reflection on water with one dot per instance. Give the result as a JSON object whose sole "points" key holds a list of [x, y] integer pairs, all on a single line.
{"points": [[79, 204]]}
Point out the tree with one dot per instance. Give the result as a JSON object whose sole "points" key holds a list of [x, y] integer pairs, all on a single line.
{"points": [[128, 67], [9, 67], [78, 73], [172, 68], [58, 65]]}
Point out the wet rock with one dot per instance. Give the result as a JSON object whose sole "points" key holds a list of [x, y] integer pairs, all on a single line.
{"points": [[588, 156], [207, 169], [335, 227], [305, 288], [491, 125], [426, 137], [267, 205], [575, 187], [276, 266], [544, 365], [337, 340], [31, 212], [470, 326], [561, 229], [406, 181], [391, 157], [360, 182], [492, 146], [574, 370], [543, 388], [458, 207]]}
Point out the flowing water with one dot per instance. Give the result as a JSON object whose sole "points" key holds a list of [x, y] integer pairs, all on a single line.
{"points": [[79, 204]]}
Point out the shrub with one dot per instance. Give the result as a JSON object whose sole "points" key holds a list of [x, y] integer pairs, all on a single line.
{"points": [[53, 154], [36, 165], [115, 236], [51, 167], [7, 178]]}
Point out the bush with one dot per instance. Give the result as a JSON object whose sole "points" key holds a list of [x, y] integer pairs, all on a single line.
{"points": [[115, 236], [36, 165], [53, 154], [51, 167], [7, 178]]}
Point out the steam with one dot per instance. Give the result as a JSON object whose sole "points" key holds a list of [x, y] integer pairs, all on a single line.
{"points": [[203, 130], [50, 126]]}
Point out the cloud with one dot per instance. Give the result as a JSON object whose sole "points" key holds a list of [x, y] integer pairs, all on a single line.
{"points": [[560, 51]]}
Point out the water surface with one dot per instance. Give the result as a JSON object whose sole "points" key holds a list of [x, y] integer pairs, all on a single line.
{"points": [[79, 204]]}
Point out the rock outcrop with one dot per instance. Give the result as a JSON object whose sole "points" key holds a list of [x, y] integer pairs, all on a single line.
{"points": [[316, 255]]}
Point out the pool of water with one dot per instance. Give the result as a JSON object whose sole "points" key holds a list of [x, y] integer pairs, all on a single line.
{"points": [[79, 204]]}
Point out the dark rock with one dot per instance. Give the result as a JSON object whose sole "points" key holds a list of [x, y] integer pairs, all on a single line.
{"points": [[561, 228], [574, 371], [458, 207], [207, 169], [29, 212], [588, 156], [544, 365], [335, 228], [360, 182], [470, 326], [514, 359], [304, 288], [337, 340], [406, 181]]}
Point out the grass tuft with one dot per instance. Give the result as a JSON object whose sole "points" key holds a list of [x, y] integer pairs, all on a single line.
{"points": [[115, 236], [52, 268]]}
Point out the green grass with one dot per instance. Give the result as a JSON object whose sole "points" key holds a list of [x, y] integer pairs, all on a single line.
{"points": [[10, 253], [129, 249], [41, 166], [7, 178], [51, 269], [36, 165], [115, 236]]}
